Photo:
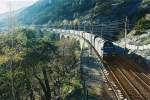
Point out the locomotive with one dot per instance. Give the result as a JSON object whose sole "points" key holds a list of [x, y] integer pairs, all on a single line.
{"points": [[109, 50]]}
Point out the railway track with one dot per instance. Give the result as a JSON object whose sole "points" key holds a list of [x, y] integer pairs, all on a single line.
{"points": [[140, 72], [102, 69], [105, 73], [115, 82], [138, 83], [144, 77], [129, 88], [132, 84]]}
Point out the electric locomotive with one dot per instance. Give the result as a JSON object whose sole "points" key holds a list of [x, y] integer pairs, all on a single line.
{"points": [[109, 51]]}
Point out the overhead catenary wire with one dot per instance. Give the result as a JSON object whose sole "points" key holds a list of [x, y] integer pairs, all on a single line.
{"points": [[110, 27]]}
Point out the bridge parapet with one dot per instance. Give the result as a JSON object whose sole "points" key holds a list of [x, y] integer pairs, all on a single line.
{"points": [[134, 47], [95, 42]]}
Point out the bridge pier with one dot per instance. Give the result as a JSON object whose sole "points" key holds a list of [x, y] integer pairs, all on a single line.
{"points": [[93, 43]]}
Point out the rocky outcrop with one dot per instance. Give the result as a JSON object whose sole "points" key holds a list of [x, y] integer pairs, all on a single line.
{"points": [[147, 17]]}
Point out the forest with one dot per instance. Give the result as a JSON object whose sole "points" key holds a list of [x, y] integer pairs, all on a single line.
{"points": [[35, 65]]}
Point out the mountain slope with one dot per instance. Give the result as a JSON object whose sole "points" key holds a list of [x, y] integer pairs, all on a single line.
{"points": [[56, 11], [44, 11]]}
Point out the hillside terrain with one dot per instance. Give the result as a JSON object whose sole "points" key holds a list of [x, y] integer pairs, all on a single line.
{"points": [[41, 64], [97, 11]]}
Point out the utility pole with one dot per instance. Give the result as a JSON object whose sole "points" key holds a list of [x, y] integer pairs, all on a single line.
{"points": [[125, 36], [78, 27], [84, 28], [101, 30]]}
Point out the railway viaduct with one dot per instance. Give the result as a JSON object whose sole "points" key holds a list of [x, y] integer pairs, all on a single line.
{"points": [[124, 76], [85, 38]]}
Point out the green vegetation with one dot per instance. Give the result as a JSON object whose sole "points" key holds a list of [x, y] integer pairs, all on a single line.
{"points": [[79, 12], [144, 41], [34, 66], [57, 11], [142, 25]]}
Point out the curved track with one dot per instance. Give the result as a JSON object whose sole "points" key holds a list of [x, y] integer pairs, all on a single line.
{"points": [[127, 78], [127, 85], [134, 81], [102, 69]]}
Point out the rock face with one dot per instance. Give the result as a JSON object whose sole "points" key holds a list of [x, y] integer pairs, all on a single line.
{"points": [[139, 40], [147, 17]]}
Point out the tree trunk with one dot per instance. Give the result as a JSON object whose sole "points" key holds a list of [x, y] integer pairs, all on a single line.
{"points": [[42, 85], [48, 90], [58, 91], [32, 95], [29, 87]]}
